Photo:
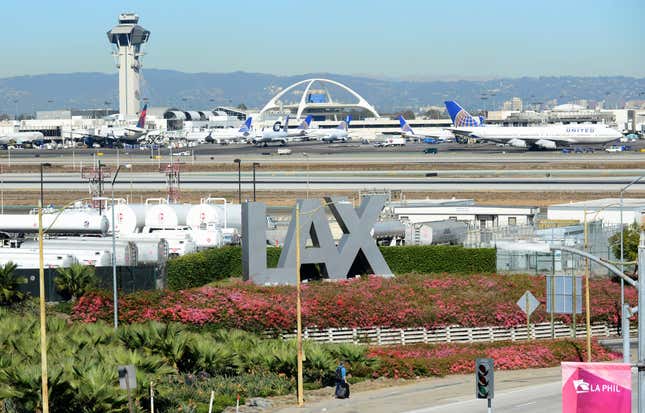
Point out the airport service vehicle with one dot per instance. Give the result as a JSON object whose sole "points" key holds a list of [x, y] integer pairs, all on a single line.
{"points": [[430, 151], [390, 142], [284, 151], [617, 148], [539, 137]]}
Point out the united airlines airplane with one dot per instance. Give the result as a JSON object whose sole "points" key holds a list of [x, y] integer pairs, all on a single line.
{"points": [[538, 137], [438, 134]]}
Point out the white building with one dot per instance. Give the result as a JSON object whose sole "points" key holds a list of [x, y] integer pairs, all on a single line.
{"points": [[464, 210], [606, 209]]}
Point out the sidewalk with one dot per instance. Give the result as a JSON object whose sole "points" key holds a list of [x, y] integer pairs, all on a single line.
{"points": [[418, 394]]}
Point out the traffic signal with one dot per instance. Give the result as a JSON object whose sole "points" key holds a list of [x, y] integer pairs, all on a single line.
{"points": [[484, 379]]}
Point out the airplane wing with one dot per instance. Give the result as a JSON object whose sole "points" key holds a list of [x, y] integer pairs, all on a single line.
{"points": [[464, 132]]}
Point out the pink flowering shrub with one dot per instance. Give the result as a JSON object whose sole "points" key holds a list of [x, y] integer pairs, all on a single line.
{"points": [[450, 358], [430, 301]]}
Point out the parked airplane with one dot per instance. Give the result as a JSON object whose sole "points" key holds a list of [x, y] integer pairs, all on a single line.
{"points": [[538, 137], [131, 135], [302, 131], [222, 135], [436, 134], [277, 134], [340, 133], [21, 138]]}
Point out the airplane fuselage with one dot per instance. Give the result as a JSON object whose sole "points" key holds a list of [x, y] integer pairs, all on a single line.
{"points": [[569, 134]]}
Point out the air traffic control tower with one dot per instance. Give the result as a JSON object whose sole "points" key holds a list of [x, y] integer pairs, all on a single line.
{"points": [[128, 36]]}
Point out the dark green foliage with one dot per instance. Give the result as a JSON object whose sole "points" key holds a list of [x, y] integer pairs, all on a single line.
{"points": [[9, 292], [631, 237], [439, 258], [73, 281], [184, 365], [194, 270]]}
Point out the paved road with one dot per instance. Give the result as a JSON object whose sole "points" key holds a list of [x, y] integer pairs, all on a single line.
{"points": [[299, 180], [523, 391]]}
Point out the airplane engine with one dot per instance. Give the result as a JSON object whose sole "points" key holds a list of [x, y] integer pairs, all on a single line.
{"points": [[545, 143], [518, 143]]}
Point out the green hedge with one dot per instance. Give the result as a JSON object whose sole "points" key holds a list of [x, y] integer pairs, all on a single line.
{"points": [[194, 270], [425, 259]]}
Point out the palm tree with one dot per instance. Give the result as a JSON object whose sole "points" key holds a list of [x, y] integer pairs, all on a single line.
{"points": [[9, 292], [74, 280]]}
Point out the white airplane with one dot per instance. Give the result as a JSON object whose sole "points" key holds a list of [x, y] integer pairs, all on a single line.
{"points": [[430, 135], [539, 137], [339, 134], [21, 138], [131, 135], [281, 134], [222, 135]]}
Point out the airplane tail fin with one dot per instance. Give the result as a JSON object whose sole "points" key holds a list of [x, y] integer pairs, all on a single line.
{"points": [[305, 123], [404, 125], [343, 125], [247, 125], [142, 117], [460, 117], [286, 124]]}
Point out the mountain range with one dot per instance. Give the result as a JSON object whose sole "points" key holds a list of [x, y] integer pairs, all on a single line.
{"points": [[26, 94]]}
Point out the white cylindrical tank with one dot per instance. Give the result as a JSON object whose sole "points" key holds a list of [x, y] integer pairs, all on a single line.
{"points": [[68, 222], [166, 215], [180, 242], [232, 213], [204, 214], [30, 258], [387, 229], [207, 238], [150, 249], [126, 251], [128, 217], [436, 232]]}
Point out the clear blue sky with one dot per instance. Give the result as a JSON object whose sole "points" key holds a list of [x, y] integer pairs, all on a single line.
{"points": [[400, 39]]}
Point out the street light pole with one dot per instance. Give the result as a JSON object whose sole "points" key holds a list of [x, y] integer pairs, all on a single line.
{"points": [[114, 286], [254, 165], [299, 298], [238, 161], [301, 400], [622, 240], [41, 286]]}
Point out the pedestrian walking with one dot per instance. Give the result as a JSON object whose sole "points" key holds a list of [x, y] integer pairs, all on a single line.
{"points": [[342, 387]]}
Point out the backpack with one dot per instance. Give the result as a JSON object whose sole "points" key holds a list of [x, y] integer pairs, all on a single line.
{"points": [[339, 373]]}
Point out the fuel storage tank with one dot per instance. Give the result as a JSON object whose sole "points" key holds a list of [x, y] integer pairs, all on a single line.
{"points": [[67, 222], [436, 232], [166, 215], [215, 211], [128, 217]]}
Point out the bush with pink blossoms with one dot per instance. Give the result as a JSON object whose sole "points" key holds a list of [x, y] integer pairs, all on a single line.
{"points": [[450, 358], [413, 300]]}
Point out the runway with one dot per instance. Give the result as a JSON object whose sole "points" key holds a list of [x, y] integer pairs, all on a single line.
{"points": [[317, 152]]}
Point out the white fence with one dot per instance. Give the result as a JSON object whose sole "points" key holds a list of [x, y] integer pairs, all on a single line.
{"points": [[452, 334]]}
